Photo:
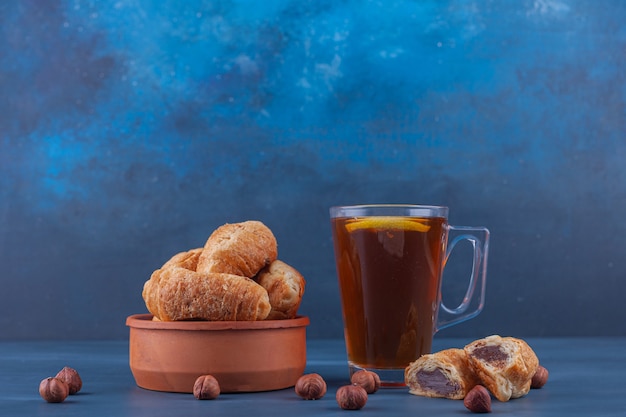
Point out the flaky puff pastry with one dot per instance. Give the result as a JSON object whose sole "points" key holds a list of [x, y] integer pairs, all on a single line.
{"points": [[444, 374], [176, 293], [188, 259], [239, 249], [285, 287], [504, 365]]}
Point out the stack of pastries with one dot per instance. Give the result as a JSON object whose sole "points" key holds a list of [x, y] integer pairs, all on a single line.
{"points": [[235, 276], [504, 365]]}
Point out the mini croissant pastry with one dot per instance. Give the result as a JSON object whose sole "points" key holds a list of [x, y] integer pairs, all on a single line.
{"points": [[285, 287], [176, 293], [445, 374], [238, 249], [504, 365]]}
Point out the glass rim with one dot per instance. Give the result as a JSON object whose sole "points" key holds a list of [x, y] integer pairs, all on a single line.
{"points": [[407, 210]]}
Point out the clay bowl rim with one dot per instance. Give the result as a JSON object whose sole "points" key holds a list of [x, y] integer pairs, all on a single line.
{"points": [[144, 321]]}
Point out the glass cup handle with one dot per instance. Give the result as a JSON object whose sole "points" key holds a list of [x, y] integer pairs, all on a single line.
{"points": [[474, 299]]}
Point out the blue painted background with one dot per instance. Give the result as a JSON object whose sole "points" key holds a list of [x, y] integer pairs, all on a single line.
{"points": [[129, 130]]}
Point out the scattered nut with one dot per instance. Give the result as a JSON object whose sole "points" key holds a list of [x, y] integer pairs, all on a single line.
{"points": [[311, 387], [53, 390], [370, 381], [351, 397], [540, 378], [206, 387], [478, 400], [71, 378]]}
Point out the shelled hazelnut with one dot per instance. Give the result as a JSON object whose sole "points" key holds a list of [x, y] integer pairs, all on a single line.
{"points": [[311, 387], [53, 390], [368, 380], [71, 377], [351, 397], [206, 387], [478, 400], [539, 378]]}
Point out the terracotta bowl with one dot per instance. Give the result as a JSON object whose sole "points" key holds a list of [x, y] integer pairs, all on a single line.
{"points": [[243, 356]]}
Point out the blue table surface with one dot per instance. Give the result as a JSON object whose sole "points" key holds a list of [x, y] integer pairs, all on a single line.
{"points": [[586, 379]]}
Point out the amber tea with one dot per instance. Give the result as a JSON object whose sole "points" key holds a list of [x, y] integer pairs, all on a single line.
{"points": [[389, 275], [389, 270]]}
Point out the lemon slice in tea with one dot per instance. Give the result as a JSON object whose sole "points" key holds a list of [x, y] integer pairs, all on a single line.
{"points": [[387, 222]]}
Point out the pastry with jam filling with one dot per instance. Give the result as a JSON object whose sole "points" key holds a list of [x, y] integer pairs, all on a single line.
{"points": [[444, 374], [504, 365]]}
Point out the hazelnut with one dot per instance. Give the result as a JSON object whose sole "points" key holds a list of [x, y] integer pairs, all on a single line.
{"points": [[311, 387], [351, 397], [53, 390], [540, 378], [71, 378], [478, 400], [370, 381], [206, 387]]}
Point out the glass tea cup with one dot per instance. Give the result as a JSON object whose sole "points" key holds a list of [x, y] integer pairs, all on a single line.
{"points": [[390, 260]]}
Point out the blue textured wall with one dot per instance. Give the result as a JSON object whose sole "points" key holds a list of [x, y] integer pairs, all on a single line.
{"points": [[129, 130]]}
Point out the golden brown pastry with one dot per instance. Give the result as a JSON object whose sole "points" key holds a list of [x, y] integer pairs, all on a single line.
{"points": [[504, 365], [187, 260], [238, 249], [177, 293], [285, 287], [444, 374]]}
